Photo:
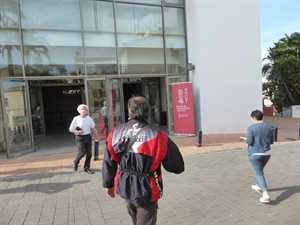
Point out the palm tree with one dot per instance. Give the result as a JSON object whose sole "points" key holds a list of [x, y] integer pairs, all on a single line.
{"points": [[9, 19], [10, 41], [39, 49], [282, 71], [8, 10]]}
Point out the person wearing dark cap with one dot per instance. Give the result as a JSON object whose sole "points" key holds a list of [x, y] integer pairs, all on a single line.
{"points": [[132, 163]]}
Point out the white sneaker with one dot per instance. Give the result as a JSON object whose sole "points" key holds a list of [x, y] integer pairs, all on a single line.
{"points": [[265, 199], [256, 188]]}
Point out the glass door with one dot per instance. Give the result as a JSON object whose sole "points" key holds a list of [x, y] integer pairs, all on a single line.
{"points": [[98, 105], [115, 102], [17, 123], [37, 111], [170, 81], [2, 136], [151, 93]]}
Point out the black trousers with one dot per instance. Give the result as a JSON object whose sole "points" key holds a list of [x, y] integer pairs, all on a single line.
{"points": [[84, 145], [145, 215]]}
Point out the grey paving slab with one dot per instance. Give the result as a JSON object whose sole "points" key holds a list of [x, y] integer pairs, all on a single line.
{"points": [[214, 190]]}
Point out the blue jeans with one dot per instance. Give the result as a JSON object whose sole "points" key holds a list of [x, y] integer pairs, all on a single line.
{"points": [[258, 163]]}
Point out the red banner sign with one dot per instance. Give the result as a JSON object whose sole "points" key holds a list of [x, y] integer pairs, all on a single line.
{"points": [[183, 108]]}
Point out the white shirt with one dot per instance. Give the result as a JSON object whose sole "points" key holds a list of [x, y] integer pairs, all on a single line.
{"points": [[85, 124]]}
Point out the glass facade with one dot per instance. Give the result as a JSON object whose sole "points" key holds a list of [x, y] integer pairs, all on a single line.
{"points": [[109, 50], [140, 39], [99, 38], [83, 37], [175, 40], [52, 43], [10, 42]]}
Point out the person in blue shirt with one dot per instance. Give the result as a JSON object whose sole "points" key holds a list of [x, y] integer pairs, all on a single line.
{"points": [[259, 139]]}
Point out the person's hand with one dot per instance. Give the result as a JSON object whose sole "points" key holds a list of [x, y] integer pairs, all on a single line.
{"points": [[110, 192], [242, 138]]}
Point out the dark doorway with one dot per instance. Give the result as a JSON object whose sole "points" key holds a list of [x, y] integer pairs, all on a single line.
{"points": [[60, 106], [131, 89]]}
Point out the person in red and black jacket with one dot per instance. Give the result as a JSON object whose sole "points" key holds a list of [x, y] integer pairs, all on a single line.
{"points": [[135, 173]]}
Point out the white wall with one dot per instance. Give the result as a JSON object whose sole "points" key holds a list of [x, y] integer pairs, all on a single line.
{"points": [[224, 45]]}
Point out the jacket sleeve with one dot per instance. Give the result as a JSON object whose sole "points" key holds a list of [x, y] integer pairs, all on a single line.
{"points": [[250, 136], [109, 165], [173, 162]]}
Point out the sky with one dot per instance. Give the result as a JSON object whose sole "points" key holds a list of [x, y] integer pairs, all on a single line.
{"points": [[278, 17]]}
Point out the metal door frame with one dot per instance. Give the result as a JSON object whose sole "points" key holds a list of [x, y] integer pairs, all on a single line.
{"points": [[5, 119], [170, 119], [111, 124]]}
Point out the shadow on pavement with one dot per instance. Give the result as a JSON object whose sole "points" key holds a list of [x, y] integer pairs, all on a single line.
{"points": [[288, 192]]}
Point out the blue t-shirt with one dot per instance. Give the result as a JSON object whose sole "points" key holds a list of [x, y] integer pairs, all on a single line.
{"points": [[259, 138]]}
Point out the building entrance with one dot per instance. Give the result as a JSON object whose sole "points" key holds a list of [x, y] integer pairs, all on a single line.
{"points": [[53, 105], [60, 103], [129, 90], [149, 90]]}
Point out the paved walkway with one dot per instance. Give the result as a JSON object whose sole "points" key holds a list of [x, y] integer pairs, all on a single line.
{"points": [[214, 189]]}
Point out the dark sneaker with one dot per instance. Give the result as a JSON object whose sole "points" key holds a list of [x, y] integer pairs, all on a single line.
{"points": [[88, 171], [75, 166]]}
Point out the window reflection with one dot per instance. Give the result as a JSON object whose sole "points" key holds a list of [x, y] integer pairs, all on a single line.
{"points": [[175, 41], [98, 106], [60, 44], [99, 38], [174, 21], [37, 112], [50, 14], [140, 39], [176, 55], [49, 53], [97, 16], [10, 49], [10, 55], [145, 1], [17, 116], [177, 2]]}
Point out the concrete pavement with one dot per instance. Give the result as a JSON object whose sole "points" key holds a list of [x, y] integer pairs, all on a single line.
{"points": [[213, 190]]}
